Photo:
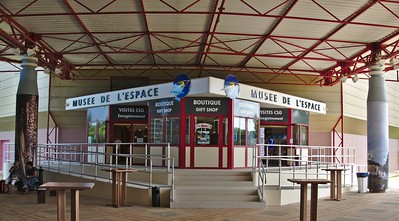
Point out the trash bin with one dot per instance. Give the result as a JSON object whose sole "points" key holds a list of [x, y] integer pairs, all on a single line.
{"points": [[362, 182], [40, 175], [156, 198]]}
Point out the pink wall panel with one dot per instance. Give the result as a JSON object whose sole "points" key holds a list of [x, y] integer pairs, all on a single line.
{"points": [[319, 139], [360, 143], [72, 135], [393, 155]]}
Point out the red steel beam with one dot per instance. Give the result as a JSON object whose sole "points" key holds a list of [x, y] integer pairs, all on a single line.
{"points": [[90, 35], [270, 32], [350, 18]]}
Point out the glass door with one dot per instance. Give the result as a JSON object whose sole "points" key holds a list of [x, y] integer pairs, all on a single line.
{"points": [[276, 135], [121, 134]]}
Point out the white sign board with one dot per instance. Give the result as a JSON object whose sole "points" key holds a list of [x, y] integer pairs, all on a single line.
{"points": [[208, 85], [279, 99]]}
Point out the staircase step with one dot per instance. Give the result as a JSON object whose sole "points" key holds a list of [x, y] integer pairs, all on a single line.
{"points": [[210, 172], [216, 204], [212, 183], [214, 177], [210, 197], [215, 189], [218, 191]]}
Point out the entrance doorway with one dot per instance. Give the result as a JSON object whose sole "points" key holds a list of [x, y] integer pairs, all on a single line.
{"points": [[127, 133], [275, 135]]}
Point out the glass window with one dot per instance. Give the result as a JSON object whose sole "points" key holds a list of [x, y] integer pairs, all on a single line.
{"points": [[239, 131], [296, 135], [215, 132], [96, 132], [304, 135], [301, 135], [172, 130], [156, 130], [252, 132], [96, 127], [206, 130]]}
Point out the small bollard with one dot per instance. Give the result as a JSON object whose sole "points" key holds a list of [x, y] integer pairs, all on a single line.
{"points": [[156, 199], [40, 175], [41, 195]]}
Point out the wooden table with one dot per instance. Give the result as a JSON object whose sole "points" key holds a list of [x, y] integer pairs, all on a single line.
{"points": [[119, 187], [313, 196], [61, 188], [335, 175]]}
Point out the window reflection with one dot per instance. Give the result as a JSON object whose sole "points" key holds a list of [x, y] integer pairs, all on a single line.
{"points": [[156, 131], [245, 131], [206, 130], [172, 130], [252, 132], [239, 131], [96, 125]]}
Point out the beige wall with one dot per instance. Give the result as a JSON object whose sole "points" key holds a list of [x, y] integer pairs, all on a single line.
{"points": [[8, 88], [63, 89], [355, 99], [73, 123]]}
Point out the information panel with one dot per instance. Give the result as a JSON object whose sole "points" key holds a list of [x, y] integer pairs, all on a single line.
{"points": [[207, 105], [163, 107], [244, 108], [125, 113], [275, 115]]}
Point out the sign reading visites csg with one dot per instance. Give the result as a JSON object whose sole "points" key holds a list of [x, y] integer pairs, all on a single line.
{"points": [[279, 115], [121, 112]]}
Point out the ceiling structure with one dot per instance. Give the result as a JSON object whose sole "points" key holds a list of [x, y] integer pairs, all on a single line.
{"points": [[301, 42]]}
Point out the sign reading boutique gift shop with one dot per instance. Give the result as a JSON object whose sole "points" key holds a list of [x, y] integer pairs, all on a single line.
{"points": [[207, 105], [244, 108], [165, 106]]}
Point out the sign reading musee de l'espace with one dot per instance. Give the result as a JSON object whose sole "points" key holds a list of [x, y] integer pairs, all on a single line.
{"points": [[118, 97], [282, 100], [201, 86]]}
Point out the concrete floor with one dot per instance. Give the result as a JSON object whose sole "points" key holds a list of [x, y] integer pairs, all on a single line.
{"points": [[353, 207]]}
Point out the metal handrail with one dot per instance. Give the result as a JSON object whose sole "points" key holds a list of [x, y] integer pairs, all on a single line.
{"points": [[87, 159], [306, 161]]}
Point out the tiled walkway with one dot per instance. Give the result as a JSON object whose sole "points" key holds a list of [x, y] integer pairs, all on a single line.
{"points": [[354, 207]]}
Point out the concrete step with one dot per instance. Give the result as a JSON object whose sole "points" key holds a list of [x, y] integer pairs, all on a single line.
{"points": [[215, 189], [196, 172], [215, 177], [213, 197], [212, 183], [216, 204]]}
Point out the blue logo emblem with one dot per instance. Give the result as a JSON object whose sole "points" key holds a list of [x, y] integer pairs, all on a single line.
{"points": [[181, 86], [231, 86]]}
